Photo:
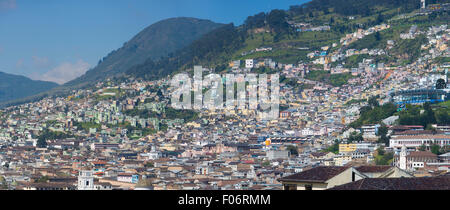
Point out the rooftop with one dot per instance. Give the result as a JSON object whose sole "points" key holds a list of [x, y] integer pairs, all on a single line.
{"points": [[422, 183], [317, 174]]}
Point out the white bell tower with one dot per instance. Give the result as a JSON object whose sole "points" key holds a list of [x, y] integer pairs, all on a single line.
{"points": [[403, 158], [423, 4], [85, 180]]}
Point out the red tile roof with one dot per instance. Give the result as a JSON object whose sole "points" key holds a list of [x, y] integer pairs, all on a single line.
{"points": [[317, 174], [416, 183], [373, 169]]}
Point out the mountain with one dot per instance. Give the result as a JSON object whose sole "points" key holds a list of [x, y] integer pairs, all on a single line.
{"points": [[178, 44], [214, 47], [154, 42], [15, 87]]}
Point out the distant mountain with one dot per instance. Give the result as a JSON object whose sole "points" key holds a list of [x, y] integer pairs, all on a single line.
{"points": [[156, 41], [14, 87]]}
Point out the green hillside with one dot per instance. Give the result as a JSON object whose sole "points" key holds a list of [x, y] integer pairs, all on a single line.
{"points": [[272, 30]]}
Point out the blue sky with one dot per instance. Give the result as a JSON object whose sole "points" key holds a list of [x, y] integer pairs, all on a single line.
{"points": [[58, 40]]}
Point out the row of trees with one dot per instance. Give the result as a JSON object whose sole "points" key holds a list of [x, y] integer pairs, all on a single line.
{"points": [[50, 135], [436, 149], [355, 7], [413, 115], [374, 113]]}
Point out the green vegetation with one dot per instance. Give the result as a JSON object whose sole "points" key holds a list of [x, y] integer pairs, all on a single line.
{"points": [[409, 49], [111, 93], [158, 51], [186, 115], [51, 135], [3, 184], [87, 125], [293, 150], [266, 164], [318, 75], [149, 165], [441, 84], [413, 116], [170, 113], [142, 113], [373, 114], [333, 148], [14, 87], [148, 131], [383, 158], [336, 80], [442, 60], [42, 179], [352, 61], [354, 7], [355, 137], [436, 149], [354, 101], [382, 132]]}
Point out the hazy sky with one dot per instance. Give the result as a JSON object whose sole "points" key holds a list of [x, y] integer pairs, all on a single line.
{"points": [[58, 40]]}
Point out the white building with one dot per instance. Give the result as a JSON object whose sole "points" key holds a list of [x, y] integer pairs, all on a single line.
{"points": [[370, 131], [415, 141], [152, 155], [85, 180], [277, 154], [249, 63], [307, 132], [414, 160]]}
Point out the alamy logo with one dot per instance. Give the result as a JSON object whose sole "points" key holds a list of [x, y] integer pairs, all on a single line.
{"points": [[227, 92]]}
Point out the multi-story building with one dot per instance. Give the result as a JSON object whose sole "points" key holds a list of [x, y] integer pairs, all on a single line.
{"points": [[416, 141]]}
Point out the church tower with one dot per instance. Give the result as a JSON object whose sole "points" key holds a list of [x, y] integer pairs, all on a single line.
{"points": [[403, 158], [423, 4], [85, 180]]}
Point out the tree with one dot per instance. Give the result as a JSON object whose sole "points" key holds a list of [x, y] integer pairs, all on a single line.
{"points": [[159, 93], [41, 142], [440, 84], [333, 148], [373, 101], [256, 21], [383, 158], [355, 137], [3, 184], [149, 165], [292, 150], [435, 149], [277, 21], [382, 132], [422, 147], [42, 179], [380, 19], [377, 36], [429, 114], [380, 151]]}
